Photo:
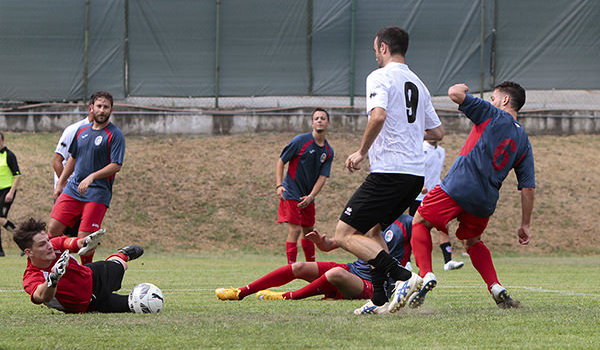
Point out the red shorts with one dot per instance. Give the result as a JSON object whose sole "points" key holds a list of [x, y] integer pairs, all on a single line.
{"points": [[290, 213], [439, 208], [366, 293], [67, 210]]}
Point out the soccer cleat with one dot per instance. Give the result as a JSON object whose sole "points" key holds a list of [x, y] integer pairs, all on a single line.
{"points": [[228, 293], [417, 299], [369, 309], [502, 299], [453, 265], [408, 266], [91, 242], [403, 290], [269, 295], [132, 251]]}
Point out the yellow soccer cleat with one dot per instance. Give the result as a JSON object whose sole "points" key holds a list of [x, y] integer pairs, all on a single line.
{"points": [[228, 293], [269, 295]]}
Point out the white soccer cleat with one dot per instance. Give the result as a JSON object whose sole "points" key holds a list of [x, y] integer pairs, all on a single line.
{"points": [[417, 299], [453, 265], [502, 299], [91, 242], [403, 291], [408, 266], [371, 309]]}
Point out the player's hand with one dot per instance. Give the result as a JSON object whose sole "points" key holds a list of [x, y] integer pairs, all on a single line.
{"points": [[84, 184], [58, 190], [280, 191], [353, 161], [424, 190], [59, 269], [315, 237], [305, 201], [524, 235], [9, 197], [91, 242]]}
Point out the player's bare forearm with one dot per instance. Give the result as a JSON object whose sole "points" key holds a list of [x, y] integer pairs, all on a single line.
{"points": [[57, 164], [107, 171], [435, 134], [322, 242], [43, 293], [457, 93], [527, 199], [318, 186], [279, 178], [374, 126], [67, 171]]}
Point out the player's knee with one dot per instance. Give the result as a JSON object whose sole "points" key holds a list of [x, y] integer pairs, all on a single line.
{"points": [[299, 268], [335, 275]]}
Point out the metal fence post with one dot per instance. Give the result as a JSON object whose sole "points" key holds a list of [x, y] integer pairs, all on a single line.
{"points": [[352, 51], [217, 44]]}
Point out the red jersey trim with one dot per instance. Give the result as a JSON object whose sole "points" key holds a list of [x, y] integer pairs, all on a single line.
{"points": [[474, 136]]}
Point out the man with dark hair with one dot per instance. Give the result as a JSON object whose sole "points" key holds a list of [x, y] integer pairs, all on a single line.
{"points": [[400, 117], [10, 176], [97, 153], [56, 279], [469, 192], [309, 156]]}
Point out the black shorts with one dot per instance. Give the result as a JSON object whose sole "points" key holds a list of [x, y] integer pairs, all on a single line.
{"points": [[107, 277], [5, 206], [381, 199]]}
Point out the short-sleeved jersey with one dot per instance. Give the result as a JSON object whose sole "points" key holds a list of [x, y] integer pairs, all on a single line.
{"points": [[397, 237], [497, 143], [434, 164], [62, 147], [93, 150], [399, 146], [74, 289], [9, 168], [307, 161]]}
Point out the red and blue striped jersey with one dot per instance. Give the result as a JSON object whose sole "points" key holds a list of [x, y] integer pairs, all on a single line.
{"points": [[497, 143], [307, 161]]}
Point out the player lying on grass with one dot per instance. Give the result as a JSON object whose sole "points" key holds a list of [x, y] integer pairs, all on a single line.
{"points": [[333, 280], [55, 278]]}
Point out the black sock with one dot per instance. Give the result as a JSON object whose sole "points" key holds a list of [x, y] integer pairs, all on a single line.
{"points": [[378, 280], [390, 266], [9, 225], [447, 251]]}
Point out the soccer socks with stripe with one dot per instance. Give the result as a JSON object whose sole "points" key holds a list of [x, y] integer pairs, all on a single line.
{"points": [[309, 249], [319, 286], [447, 251], [291, 250], [275, 278], [482, 261], [121, 256], [422, 245]]}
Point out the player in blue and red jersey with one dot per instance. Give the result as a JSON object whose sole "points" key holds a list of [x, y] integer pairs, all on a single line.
{"points": [[309, 157], [97, 153], [333, 280], [469, 192]]}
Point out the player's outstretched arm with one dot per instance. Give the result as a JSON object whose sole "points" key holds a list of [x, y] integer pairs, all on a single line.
{"points": [[46, 291], [322, 242], [527, 199]]}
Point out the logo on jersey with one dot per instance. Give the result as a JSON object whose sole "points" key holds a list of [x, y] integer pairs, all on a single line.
{"points": [[84, 136], [373, 94], [98, 141], [323, 157], [389, 234], [348, 211]]}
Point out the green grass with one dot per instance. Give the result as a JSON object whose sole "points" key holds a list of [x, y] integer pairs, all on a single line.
{"points": [[561, 298]]}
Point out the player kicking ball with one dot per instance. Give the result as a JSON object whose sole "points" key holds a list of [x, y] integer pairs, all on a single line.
{"points": [[55, 278]]}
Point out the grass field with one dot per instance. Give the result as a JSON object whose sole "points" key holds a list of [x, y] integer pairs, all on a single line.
{"points": [[561, 298]]}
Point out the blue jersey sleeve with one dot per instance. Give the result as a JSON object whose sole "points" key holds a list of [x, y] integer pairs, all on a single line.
{"points": [[476, 109], [326, 168], [291, 150], [525, 169], [117, 148]]}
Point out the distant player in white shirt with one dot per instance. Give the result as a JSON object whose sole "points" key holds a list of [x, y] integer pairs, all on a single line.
{"points": [[62, 155], [400, 117], [434, 164]]}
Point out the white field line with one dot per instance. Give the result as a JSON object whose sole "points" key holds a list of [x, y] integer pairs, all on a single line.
{"points": [[479, 286]]}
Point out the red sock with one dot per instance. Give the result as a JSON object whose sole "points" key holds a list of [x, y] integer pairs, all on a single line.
{"points": [[309, 249], [86, 259], [482, 261], [275, 278], [291, 250], [421, 247], [319, 286], [71, 244], [120, 255]]}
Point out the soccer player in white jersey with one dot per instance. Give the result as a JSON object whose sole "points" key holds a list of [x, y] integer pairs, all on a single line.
{"points": [[400, 117]]}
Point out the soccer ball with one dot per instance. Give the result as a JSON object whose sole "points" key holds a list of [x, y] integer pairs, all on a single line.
{"points": [[146, 298]]}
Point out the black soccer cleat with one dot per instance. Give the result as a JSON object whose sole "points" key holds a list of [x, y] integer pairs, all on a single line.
{"points": [[132, 251]]}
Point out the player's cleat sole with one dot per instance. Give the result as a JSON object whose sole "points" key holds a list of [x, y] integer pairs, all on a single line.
{"points": [[91, 242], [417, 299], [228, 293], [453, 265], [132, 251], [403, 291], [502, 299], [371, 309], [269, 295]]}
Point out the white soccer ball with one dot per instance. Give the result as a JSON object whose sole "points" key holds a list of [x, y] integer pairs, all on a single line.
{"points": [[146, 298]]}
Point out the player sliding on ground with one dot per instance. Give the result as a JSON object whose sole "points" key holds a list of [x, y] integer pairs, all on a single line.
{"points": [[333, 280], [55, 278]]}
